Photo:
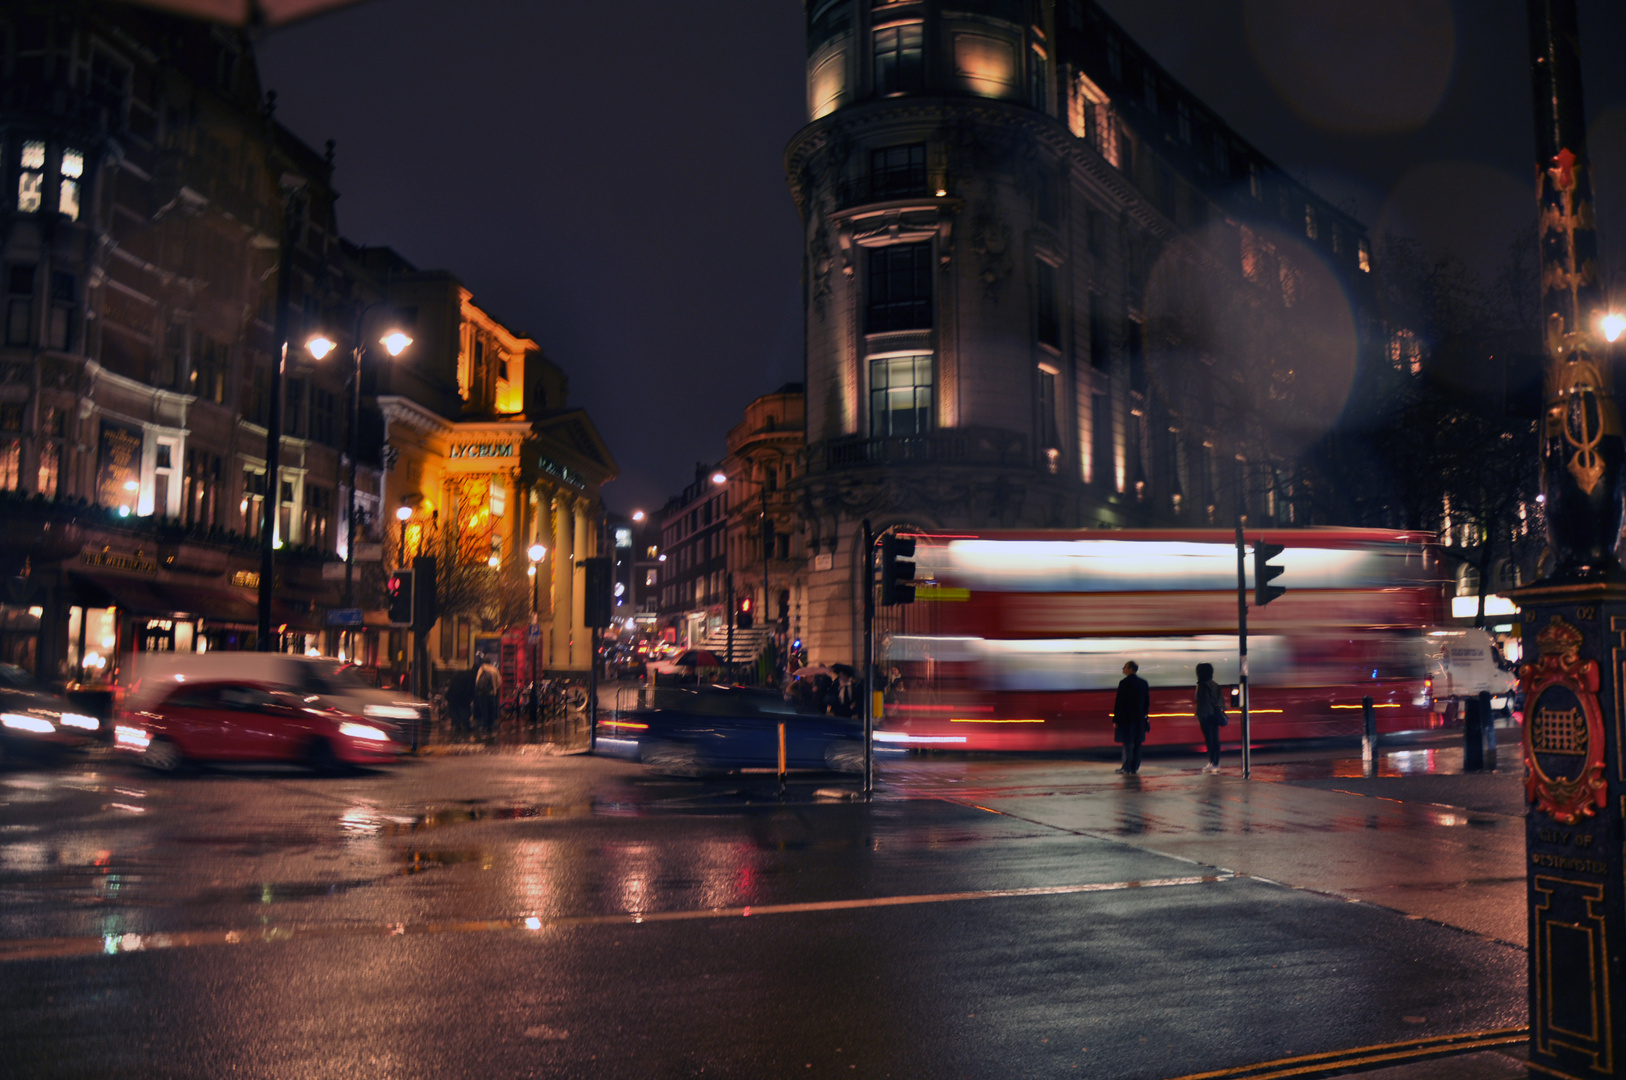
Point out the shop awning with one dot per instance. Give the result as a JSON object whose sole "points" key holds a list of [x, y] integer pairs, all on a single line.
{"points": [[168, 600]]}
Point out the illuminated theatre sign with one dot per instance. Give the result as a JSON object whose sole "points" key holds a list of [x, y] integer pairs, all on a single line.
{"points": [[489, 449]]}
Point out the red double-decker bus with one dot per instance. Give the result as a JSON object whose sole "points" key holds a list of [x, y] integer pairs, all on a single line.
{"points": [[1017, 640]]}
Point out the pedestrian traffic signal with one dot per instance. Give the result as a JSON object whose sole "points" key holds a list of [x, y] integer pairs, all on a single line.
{"points": [[744, 619], [897, 569], [1263, 573], [399, 587]]}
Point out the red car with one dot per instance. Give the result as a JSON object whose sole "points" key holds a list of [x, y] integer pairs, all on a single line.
{"points": [[247, 721]]}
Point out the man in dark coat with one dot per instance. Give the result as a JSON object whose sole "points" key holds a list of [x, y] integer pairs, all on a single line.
{"points": [[1129, 712]]}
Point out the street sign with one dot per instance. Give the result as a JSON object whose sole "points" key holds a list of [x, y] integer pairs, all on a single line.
{"points": [[534, 633], [344, 616]]}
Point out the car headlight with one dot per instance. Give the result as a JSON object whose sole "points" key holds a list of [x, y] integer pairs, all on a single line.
{"points": [[131, 738], [80, 720], [391, 712], [363, 731], [19, 722]]}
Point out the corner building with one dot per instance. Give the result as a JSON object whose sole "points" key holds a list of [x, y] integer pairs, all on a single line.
{"points": [[1047, 288]]}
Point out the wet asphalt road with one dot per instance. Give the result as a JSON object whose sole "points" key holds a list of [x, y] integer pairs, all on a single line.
{"points": [[495, 915]]}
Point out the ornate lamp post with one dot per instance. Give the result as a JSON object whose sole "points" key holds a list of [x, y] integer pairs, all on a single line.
{"points": [[1574, 621]]}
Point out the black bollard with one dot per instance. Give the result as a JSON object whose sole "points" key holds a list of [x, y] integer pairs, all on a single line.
{"points": [[1473, 732], [1489, 714], [1369, 737]]}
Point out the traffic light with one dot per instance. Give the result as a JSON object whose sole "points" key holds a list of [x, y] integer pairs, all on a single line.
{"points": [[897, 569], [598, 607], [425, 598], [1263, 573], [399, 587], [745, 620]]}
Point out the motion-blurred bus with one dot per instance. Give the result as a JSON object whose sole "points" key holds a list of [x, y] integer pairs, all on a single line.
{"points": [[1017, 641]]}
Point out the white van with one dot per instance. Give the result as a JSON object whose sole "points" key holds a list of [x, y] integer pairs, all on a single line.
{"points": [[1462, 663], [336, 680]]}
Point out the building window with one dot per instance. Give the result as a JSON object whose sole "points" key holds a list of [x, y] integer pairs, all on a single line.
{"points": [[251, 510], [53, 430], [64, 290], [318, 516], [172, 357], [293, 408], [1047, 322], [898, 171], [20, 306], [258, 410], [72, 168], [1048, 436], [900, 288], [1100, 346], [1101, 456], [324, 410], [898, 59], [900, 396], [1182, 114], [1038, 81], [285, 512], [1134, 337], [11, 464], [118, 472], [1256, 183], [202, 488], [1363, 255], [31, 177], [1149, 86], [1310, 228], [165, 458], [208, 375]]}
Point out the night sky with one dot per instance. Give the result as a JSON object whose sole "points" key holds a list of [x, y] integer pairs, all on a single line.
{"points": [[608, 179]]}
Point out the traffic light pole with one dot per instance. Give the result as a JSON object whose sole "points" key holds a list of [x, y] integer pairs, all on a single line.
{"points": [[869, 659], [1242, 643]]}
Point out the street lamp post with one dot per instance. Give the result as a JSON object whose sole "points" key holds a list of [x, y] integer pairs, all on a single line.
{"points": [[536, 553], [395, 342], [292, 188]]}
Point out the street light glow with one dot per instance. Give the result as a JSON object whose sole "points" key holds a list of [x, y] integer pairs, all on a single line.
{"points": [[537, 552], [719, 477], [395, 341], [402, 513], [637, 515], [1612, 324], [319, 346]]}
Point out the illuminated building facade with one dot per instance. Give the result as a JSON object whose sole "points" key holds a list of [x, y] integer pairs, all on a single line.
{"points": [[487, 459], [144, 188], [1046, 287]]}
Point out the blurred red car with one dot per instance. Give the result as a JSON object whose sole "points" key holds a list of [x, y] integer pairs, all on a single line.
{"points": [[222, 721]]}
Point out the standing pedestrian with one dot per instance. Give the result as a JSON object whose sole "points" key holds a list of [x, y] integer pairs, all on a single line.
{"points": [[460, 700], [1209, 704], [1129, 717], [487, 684]]}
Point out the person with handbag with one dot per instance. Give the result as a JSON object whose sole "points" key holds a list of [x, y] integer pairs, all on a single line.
{"points": [[1210, 709]]}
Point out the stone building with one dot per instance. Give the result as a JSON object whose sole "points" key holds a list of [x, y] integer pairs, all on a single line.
{"points": [[487, 459], [766, 544], [1046, 287], [145, 188], [146, 192]]}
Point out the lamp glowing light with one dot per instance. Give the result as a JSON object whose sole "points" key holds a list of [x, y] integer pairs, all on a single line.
{"points": [[494, 562], [637, 515], [537, 552], [395, 342], [319, 346], [1612, 325], [403, 513], [719, 477]]}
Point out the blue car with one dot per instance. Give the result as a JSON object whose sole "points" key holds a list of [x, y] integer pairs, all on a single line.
{"points": [[711, 729]]}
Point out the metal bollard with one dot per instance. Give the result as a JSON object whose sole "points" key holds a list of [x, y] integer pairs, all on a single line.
{"points": [[1473, 733], [1369, 737], [1490, 729]]}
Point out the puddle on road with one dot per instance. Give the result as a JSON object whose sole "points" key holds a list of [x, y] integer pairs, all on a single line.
{"points": [[416, 862]]}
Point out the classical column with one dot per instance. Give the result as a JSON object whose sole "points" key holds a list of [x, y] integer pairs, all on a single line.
{"points": [[1574, 622], [581, 652], [564, 565]]}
